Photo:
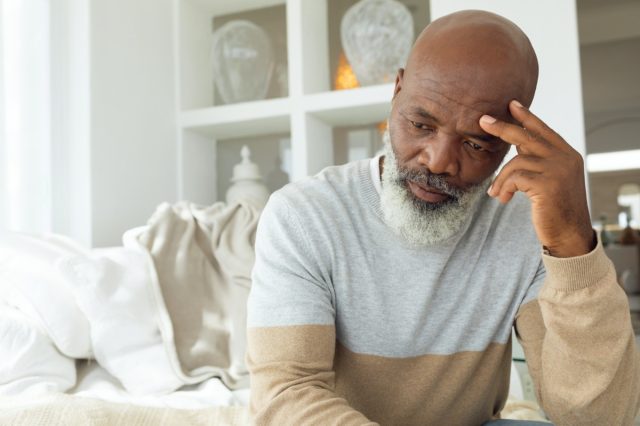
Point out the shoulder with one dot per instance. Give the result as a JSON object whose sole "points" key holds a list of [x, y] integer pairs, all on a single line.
{"points": [[518, 208], [321, 192], [515, 213]]}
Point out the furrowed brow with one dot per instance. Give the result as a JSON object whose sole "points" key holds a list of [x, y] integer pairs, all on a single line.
{"points": [[424, 114], [484, 137]]}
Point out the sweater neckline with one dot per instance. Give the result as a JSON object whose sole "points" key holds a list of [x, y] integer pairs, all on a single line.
{"points": [[370, 176]]}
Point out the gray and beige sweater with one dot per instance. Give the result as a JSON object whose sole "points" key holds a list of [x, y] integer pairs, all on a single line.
{"points": [[348, 325]]}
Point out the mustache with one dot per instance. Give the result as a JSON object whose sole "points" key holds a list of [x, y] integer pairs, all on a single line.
{"points": [[436, 181]]}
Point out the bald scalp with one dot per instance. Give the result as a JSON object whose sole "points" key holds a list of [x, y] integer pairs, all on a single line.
{"points": [[475, 49]]}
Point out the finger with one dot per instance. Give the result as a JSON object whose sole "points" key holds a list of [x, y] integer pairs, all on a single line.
{"points": [[519, 162], [535, 125], [530, 121], [514, 135], [518, 180]]}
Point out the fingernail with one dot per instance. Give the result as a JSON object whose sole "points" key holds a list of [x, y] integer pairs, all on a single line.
{"points": [[489, 190], [487, 119], [518, 104]]}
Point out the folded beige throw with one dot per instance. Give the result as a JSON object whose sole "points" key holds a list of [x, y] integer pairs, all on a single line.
{"points": [[68, 410]]}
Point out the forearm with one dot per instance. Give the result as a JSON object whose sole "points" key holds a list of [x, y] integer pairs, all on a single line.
{"points": [[588, 362], [292, 381]]}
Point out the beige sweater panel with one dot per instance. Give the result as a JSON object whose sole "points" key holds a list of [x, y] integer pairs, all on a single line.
{"points": [[293, 381]]}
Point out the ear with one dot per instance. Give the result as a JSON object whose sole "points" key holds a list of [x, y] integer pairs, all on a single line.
{"points": [[398, 85]]}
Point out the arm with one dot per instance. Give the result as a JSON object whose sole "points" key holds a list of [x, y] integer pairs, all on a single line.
{"points": [[579, 344], [291, 334], [577, 335], [292, 378]]}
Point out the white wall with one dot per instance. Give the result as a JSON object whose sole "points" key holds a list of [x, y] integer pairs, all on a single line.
{"points": [[70, 119], [611, 88], [615, 130], [88, 132], [552, 28], [25, 166], [133, 120], [611, 75]]}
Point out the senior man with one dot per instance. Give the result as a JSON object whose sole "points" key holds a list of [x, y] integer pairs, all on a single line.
{"points": [[385, 290]]}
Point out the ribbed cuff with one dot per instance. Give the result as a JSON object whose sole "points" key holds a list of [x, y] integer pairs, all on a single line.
{"points": [[575, 273]]}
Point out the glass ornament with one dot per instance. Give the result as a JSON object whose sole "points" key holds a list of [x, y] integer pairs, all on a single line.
{"points": [[242, 61], [377, 36]]}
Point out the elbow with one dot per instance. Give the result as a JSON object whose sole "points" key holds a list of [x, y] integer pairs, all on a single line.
{"points": [[605, 408]]}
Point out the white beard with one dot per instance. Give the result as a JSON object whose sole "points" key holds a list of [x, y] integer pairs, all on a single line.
{"points": [[421, 223]]}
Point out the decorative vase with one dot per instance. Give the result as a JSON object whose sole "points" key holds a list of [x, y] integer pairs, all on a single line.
{"points": [[248, 185], [377, 36], [242, 61]]}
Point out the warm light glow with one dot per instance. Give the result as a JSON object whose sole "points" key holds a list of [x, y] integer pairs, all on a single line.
{"points": [[345, 78], [382, 126], [611, 161]]}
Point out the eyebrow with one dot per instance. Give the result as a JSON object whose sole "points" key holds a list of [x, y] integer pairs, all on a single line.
{"points": [[424, 114], [484, 137]]}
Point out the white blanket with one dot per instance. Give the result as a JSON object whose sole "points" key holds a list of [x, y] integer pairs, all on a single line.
{"points": [[95, 382], [165, 310]]}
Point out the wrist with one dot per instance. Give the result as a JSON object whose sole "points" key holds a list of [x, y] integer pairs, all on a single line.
{"points": [[576, 245]]}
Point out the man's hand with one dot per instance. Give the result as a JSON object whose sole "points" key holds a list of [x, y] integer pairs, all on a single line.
{"points": [[551, 173]]}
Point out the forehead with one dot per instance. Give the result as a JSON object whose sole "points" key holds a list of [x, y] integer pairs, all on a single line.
{"points": [[462, 99]]}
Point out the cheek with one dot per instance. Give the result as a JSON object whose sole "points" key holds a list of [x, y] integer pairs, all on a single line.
{"points": [[474, 172], [405, 151], [497, 159], [403, 142], [398, 141]]}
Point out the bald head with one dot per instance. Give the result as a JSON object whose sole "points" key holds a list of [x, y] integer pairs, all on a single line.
{"points": [[476, 49]]}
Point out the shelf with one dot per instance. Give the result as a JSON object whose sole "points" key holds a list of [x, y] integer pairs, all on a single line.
{"points": [[239, 120], [364, 105], [225, 7], [301, 119], [353, 107]]}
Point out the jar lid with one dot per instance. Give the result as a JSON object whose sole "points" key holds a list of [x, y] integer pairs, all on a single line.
{"points": [[246, 170]]}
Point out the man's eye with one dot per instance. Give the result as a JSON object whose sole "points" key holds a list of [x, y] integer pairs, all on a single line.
{"points": [[475, 146]]}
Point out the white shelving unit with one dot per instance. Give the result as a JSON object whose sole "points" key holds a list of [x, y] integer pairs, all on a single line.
{"points": [[307, 115]]}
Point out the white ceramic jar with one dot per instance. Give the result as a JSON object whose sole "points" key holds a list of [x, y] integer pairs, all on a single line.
{"points": [[248, 185]]}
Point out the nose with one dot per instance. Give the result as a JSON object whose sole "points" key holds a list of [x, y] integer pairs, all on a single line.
{"points": [[440, 155]]}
